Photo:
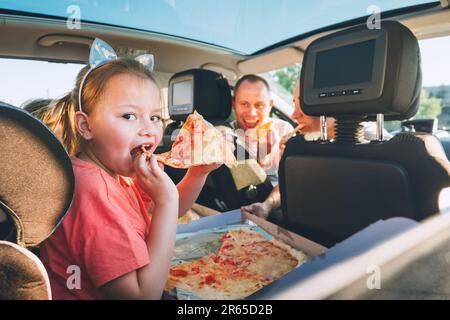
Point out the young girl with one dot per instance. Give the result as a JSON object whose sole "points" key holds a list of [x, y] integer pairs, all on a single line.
{"points": [[107, 246]]}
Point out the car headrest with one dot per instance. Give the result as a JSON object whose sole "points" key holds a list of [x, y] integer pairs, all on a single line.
{"points": [[36, 176], [202, 90], [22, 274], [363, 72]]}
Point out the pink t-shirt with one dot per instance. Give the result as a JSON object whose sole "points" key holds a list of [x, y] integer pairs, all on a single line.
{"points": [[102, 236]]}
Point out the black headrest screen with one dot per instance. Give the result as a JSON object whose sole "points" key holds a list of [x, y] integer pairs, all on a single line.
{"points": [[204, 91], [182, 93], [360, 72], [345, 65]]}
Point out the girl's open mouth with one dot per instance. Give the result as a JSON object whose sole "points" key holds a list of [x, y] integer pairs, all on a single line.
{"points": [[144, 148]]}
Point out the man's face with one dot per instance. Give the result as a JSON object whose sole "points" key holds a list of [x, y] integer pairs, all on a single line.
{"points": [[311, 124], [251, 104]]}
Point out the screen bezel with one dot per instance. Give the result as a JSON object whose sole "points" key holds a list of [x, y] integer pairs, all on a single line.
{"points": [[369, 90], [183, 109]]}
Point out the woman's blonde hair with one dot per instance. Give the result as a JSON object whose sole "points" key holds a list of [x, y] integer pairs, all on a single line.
{"points": [[64, 109]]}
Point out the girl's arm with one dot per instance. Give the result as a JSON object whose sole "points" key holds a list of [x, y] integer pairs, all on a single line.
{"points": [[148, 282], [189, 188]]}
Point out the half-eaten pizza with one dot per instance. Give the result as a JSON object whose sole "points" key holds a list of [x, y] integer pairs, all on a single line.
{"points": [[245, 263], [198, 143]]}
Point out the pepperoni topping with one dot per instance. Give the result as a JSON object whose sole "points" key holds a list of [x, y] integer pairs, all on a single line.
{"points": [[210, 279], [215, 258], [227, 246], [225, 236], [178, 273], [228, 262], [196, 269]]}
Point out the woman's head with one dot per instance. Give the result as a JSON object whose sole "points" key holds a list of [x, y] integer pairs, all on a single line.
{"points": [[37, 107], [44, 110], [120, 110], [311, 124]]}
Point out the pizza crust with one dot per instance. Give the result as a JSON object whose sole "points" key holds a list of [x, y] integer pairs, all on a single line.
{"points": [[199, 143], [299, 255]]}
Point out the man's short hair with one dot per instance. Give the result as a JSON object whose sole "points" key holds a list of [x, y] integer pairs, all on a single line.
{"points": [[252, 78]]}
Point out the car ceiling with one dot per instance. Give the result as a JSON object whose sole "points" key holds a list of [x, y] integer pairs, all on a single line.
{"points": [[51, 40]]}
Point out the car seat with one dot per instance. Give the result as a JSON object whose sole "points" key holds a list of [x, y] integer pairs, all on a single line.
{"points": [[208, 93], [332, 189], [36, 189]]}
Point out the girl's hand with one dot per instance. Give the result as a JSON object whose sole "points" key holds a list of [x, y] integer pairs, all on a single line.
{"points": [[203, 170], [154, 181]]}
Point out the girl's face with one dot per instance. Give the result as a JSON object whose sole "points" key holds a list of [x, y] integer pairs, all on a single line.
{"points": [[127, 115]]}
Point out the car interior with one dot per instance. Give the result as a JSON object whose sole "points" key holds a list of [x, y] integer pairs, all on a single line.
{"points": [[330, 190], [37, 188], [379, 178], [208, 93]]}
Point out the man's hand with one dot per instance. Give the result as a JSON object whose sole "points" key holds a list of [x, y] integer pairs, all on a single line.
{"points": [[260, 209], [263, 209]]}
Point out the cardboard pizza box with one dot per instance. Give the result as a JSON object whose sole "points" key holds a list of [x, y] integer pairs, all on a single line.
{"points": [[311, 248], [301, 283], [234, 217]]}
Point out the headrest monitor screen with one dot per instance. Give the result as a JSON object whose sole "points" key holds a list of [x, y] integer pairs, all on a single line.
{"points": [[345, 65], [182, 93]]}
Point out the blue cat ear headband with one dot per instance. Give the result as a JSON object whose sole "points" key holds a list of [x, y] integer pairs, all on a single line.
{"points": [[101, 53]]}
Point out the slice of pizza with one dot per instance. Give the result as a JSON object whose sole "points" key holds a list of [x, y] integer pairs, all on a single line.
{"points": [[264, 128], [198, 143], [262, 132]]}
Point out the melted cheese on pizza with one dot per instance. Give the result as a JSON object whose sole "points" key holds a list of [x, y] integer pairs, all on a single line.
{"points": [[245, 263], [198, 143]]}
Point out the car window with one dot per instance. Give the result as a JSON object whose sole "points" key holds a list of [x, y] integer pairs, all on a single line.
{"points": [[435, 95], [188, 18], [25, 80], [282, 83]]}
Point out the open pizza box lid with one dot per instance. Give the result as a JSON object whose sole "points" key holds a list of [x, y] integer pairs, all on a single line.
{"points": [[321, 257]]}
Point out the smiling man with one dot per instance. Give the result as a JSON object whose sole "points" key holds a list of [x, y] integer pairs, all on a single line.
{"points": [[259, 133]]}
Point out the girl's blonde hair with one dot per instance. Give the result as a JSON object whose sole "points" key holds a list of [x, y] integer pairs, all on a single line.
{"points": [[64, 109]]}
